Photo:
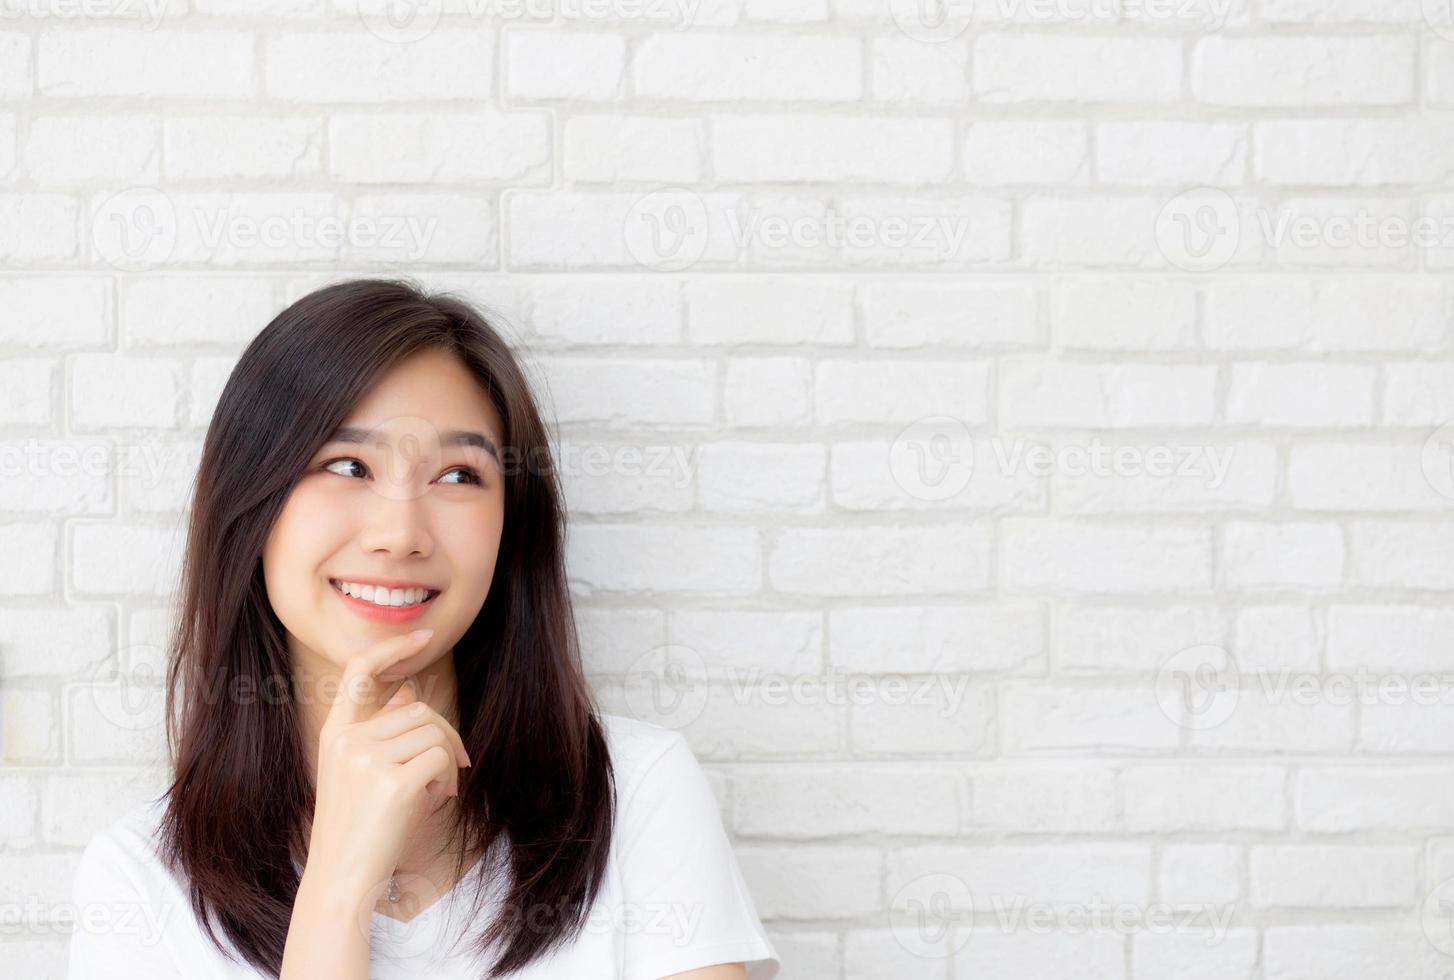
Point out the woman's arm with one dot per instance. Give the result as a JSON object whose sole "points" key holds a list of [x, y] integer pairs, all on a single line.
{"points": [[325, 936]]}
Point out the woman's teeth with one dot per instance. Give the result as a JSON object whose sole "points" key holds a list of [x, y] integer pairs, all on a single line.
{"points": [[380, 596]]}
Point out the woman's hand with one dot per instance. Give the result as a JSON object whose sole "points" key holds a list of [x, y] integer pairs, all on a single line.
{"points": [[377, 771]]}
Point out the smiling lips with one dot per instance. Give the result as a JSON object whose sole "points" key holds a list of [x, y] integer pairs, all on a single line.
{"points": [[383, 604]]}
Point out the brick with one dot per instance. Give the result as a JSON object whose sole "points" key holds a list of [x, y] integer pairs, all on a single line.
{"points": [[811, 802], [1050, 393], [161, 311], [1003, 152], [533, 59], [1259, 555], [935, 315], [812, 883], [1363, 314], [1045, 556], [764, 391], [109, 392], [664, 558], [124, 559], [932, 639], [768, 311], [1302, 395], [242, 146], [719, 67], [332, 67], [1401, 555], [1303, 71], [1211, 798], [899, 391], [832, 148], [26, 388], [71, 149], [1129, 638], [638, 391], [746, 477], [111, 63], [1047, 68], [1350, 476], [440, 148], [1171, 153], [1049, 797], [618, 310], [39, 227], [1344, 799], [1314, 952], [1124, 314], [610, 148], [885, 560], [1354, 152]]}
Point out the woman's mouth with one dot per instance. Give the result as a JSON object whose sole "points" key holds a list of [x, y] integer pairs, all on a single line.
{"points": [[379, 603], [385, 598]]}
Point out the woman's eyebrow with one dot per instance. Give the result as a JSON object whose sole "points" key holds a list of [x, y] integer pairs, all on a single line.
{"points": [[453, 437]]}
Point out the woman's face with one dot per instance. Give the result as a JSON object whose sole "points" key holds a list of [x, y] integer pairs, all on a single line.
{"points": [[396, 496]]}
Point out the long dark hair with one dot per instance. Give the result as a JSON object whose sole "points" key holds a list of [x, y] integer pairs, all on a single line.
{"points": [[239, 791]]}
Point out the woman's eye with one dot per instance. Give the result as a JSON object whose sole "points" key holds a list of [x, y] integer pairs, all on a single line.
{"points": [[470, 474], [334, 462]]}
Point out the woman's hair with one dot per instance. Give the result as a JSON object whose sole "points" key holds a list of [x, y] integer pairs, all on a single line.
{"points": [[239, 792]]}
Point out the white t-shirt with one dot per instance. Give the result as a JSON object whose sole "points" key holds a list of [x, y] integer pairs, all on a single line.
{"points": [[673, 898]]}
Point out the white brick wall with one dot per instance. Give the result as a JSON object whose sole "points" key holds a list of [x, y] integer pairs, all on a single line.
{"points": [[1059, 560]]}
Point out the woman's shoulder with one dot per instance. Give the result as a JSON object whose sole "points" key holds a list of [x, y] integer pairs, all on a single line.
{"points": [[636, 745], [129, 845]]}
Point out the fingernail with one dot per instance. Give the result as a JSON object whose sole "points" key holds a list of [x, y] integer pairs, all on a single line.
{"points": [[421, 634]]}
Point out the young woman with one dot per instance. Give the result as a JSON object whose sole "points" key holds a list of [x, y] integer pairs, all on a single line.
{"points": [[385, 760]]}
